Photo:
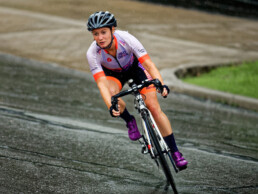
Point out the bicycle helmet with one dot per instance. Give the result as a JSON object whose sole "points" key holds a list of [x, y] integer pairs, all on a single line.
{"points": [[101, 19]]}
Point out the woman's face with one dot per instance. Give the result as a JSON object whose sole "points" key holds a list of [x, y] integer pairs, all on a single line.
{"points": [[102, 36]]}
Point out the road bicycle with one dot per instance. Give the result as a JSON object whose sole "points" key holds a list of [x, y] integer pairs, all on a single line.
{"points": [[152, 141]]}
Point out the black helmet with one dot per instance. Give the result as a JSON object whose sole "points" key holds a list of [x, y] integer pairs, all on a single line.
{"points": [[101, 19]]}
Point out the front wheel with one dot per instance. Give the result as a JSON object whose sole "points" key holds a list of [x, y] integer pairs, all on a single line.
{"points": [[159, 153]]}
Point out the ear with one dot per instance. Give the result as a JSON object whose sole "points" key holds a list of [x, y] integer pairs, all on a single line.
{"points": [[113, 29]]}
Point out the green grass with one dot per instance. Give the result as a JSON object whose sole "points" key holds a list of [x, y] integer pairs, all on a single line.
{"points": [[241, 79]]}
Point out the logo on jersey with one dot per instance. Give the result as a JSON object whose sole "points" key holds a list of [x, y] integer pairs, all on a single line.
{"points": [[147, 74], [141, 50], [122, 42], [93, 69], [109, 59], [122, 54]]}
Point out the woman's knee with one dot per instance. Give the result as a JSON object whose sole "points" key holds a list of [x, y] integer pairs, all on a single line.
{"points": [[113, 91], [113, 87], [155, 110]]}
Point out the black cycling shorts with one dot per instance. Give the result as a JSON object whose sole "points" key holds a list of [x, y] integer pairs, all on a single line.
{"points": [[135, 72]]}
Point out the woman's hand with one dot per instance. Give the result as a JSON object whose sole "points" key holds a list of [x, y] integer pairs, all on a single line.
{"points": [[113, 112], [166, 91]]}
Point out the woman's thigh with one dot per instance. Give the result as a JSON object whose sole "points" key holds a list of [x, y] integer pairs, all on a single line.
{"points": [[151, 101], [115, 85]]}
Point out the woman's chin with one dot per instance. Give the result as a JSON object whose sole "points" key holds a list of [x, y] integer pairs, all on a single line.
{"points": [[102, 45]]}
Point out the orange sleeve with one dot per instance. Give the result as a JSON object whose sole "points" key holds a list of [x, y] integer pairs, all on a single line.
{"points": [[98, 75], [144, 58]]}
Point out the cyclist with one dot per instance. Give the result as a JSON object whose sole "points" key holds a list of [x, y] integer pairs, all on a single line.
{"points": [[115, 57]]}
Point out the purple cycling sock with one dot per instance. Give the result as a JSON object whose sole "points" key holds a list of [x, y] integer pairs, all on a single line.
{"points": [[170, 140], [126, 116]]}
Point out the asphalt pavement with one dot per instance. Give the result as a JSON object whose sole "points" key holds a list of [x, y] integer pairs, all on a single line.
{"points": [[58, 137]]}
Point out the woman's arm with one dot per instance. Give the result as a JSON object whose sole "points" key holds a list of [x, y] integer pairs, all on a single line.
{"points": [[154, 72], [103, 86]]}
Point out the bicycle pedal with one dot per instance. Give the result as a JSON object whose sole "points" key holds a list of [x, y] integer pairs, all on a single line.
{"points": [[144, 150]]}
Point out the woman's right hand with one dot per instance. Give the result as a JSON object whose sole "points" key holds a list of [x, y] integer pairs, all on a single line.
{"points": [[113, 112]]}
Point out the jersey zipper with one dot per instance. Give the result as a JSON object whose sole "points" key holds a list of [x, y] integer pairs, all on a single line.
{"points": [[119, 63]]}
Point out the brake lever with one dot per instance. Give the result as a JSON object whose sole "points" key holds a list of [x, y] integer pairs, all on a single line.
{"points": [[158, 85]]}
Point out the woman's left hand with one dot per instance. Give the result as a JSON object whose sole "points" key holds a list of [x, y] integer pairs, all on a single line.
{"points": [[166, 91]]}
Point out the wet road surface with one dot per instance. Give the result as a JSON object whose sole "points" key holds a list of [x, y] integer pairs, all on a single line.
{"points": [[58, 137]]}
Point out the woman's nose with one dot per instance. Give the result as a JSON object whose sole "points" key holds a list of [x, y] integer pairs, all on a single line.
{"points": [[100, 37]]}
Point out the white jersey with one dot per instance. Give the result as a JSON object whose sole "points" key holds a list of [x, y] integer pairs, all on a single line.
{"points": [[127, 46]]}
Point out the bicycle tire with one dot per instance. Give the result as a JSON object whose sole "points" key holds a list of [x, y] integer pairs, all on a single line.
{"points": [[160, 154]]}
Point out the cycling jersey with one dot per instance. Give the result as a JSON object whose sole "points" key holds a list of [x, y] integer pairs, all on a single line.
{"points": [[127, 46]]}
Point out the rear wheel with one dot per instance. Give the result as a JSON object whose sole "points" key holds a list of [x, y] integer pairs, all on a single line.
{"points": [[159, 153]]}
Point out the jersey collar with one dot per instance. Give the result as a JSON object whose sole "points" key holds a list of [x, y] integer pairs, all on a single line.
{"points": [[116, 44]]}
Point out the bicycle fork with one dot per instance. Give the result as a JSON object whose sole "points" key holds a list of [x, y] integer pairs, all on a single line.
{"points": [[147, 141]]}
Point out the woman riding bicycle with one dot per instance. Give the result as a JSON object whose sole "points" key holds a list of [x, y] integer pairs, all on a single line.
{"points": [[115, 57]]}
